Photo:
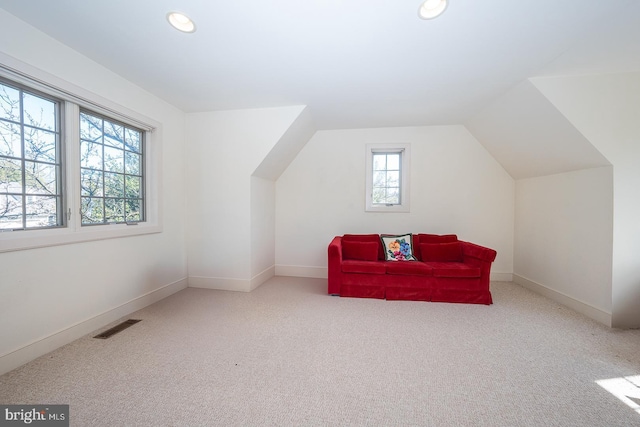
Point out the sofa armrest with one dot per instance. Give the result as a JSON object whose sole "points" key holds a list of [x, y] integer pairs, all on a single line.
{"points": [[334, 265], [479, 256], [471, 250]]}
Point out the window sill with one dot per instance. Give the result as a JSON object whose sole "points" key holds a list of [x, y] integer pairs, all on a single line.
{"points": [[33, 239], [388, 209]]}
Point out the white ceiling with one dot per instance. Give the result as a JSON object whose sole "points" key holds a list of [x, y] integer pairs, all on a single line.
{"points": [[355, 63]]}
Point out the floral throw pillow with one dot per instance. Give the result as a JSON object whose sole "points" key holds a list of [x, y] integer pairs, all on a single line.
{"points": [[398, 248]]}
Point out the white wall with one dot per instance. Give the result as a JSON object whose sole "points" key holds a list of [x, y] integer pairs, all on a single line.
{"points": [[456, 187], [263, 220], [224, 148], [53, 295], [606, 109], [563, 238]]}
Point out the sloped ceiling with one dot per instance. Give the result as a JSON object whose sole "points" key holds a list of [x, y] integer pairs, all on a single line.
{"points": [[529, 136], [287, 147], [354, 63]]}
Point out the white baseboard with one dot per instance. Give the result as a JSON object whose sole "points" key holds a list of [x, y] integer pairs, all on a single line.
{"points": [[501, 277], [260, 278], [230, 284], [19, 357], [577, 305], [302, 271], [220, 283]]}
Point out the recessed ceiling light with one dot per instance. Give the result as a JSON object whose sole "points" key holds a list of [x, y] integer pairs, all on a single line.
{"points": [[181, 22], [432, 8]]}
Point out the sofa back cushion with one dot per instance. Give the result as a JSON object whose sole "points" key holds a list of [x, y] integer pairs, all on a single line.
{"points": [[370, 238], [441, 252], [436, 238], [418, 239], [363, 251]]}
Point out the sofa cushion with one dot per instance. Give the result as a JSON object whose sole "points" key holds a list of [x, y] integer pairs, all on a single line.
{"points": [[366, 267], [365, 238], [409, 268], [453, 269], [437, 238], [363, 251], [430, 238], [398, 248], [441, 252]]}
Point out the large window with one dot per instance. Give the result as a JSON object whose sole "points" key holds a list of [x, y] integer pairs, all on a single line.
{"points": [[73, 166], [111, 177], [387, 169], [30, 160]]}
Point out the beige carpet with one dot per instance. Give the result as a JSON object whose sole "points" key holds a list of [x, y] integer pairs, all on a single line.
{"points": [[287, 354]]}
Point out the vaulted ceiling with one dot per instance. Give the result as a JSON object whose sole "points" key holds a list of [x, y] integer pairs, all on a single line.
{"points": [[364, 64], [354, 63]]}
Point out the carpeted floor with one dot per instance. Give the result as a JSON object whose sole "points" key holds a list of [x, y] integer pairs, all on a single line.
{"points": [[287, 354]]}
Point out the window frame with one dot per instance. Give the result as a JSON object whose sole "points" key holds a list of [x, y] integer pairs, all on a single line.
{"points": [[405, 155], [73, 100], [124, 173], [59, 162]]}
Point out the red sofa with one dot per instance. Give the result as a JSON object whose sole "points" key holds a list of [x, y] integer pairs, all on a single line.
{"points": [[443, 269]]}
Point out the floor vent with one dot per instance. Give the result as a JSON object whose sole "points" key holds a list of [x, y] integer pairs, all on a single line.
{"points": [[121, 327]]}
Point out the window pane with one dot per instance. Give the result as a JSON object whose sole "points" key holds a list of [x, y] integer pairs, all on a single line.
{"points": [[113, 159], [39, 112], [40, 178], [10, 176], [133, 187], [90, 128], [393, 179], [379, 162], [10, 212], [379, 179], [39, 145], [393, 162], [92, 210], [90, 155], [10, 144], [41, 211], [91, 182], [379, 195], [132, 163], [114, 210], [113, 134], [9, 103], [133, 210], [132, 140], [113, 185], [393, 196]]}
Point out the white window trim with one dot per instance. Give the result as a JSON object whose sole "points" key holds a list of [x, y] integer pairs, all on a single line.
{"points": [[32, 77], [404, 205]]}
